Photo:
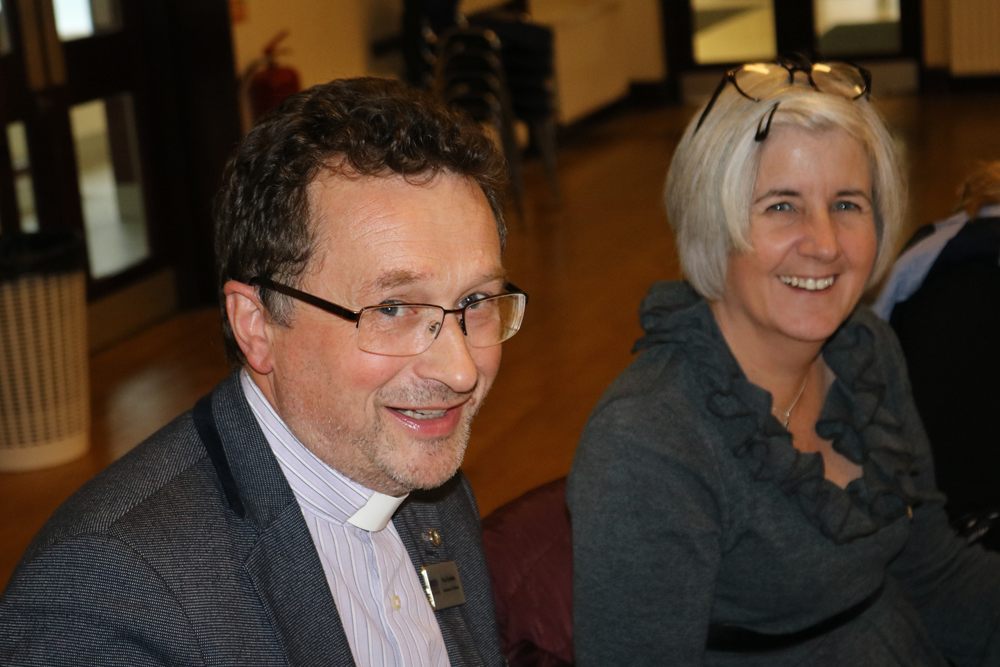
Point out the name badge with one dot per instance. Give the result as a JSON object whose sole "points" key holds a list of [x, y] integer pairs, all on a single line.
{"points": [[443, 585]]}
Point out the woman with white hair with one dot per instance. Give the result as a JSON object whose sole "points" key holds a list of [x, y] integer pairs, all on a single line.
{"points": [[756, 488]]}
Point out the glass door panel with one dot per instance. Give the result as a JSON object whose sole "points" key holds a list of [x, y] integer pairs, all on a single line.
{"points": [[24, 191], [731, 31], [857, 27], [110, 181], [76, 19]]}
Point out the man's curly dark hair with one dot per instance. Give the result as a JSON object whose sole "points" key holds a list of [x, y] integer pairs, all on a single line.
{"points": [[353, 127]]}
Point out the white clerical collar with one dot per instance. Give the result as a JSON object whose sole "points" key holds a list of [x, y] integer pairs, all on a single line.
{"points": [[375, 514]]}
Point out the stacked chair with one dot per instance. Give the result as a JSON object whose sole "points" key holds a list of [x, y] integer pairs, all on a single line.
{"points": [[496, 66], [528, 59], [423, 21], [469, 74]]}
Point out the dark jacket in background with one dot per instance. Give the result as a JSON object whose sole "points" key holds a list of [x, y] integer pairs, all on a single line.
{"points": [[949, 329]]}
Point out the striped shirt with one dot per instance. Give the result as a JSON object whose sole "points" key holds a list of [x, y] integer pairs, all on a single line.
{"points": [[385, 612]]}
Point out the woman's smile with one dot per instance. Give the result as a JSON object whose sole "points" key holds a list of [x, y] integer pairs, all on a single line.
{"points": [[808, 284]]}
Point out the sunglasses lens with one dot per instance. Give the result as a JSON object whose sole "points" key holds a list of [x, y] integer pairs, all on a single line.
{"points": [[839, 79]]}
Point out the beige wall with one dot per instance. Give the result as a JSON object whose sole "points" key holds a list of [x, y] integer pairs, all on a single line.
{"points": [[328, 40], [961, 36], [642, 40], [936, 39], [974, 48], [385, 17], [331, 38]]}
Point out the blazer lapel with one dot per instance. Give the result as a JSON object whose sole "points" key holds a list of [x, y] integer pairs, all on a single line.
{"points": [[282, 563], [414, 521], [289, 578]]}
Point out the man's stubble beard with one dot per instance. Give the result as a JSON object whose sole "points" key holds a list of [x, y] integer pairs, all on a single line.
{"points": [[378, 444], [375, 465], [378, 447]]}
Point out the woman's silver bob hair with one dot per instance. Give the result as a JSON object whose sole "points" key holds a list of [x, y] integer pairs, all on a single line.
{"points": [[711, 179]]}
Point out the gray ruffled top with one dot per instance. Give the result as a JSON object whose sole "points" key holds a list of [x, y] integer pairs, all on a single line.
{"points": [[691, 506]]}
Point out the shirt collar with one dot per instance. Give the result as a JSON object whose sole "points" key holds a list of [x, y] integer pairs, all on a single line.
{"points": [[376, 512], [319, 489]]}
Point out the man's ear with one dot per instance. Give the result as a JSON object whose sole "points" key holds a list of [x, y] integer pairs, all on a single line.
{"points": [[251, 325]]}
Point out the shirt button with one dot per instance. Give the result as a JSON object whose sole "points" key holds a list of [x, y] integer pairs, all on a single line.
{"points": [[396, 604]]}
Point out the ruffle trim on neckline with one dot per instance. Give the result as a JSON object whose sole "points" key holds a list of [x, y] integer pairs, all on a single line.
{"points": [[855, 417]]}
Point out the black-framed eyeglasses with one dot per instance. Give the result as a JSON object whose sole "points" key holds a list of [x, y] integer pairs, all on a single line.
{"points": [[406, 329], [837, 78]]}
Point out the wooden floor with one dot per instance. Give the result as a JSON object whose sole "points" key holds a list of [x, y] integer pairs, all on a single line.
{"points": [[585, 264]]}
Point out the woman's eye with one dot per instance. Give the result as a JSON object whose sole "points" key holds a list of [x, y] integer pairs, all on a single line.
{"points": [[781, 206], [846, 206]]}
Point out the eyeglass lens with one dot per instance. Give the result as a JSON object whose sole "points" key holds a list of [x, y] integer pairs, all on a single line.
{"points": [[406, 329], [839, 78], [834, 78]]}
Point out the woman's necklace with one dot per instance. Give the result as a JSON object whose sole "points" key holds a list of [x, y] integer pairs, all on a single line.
{"points": [[788, 412]]}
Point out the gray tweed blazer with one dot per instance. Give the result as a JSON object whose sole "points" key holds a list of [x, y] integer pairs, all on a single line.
{"points": [[186, 552]]}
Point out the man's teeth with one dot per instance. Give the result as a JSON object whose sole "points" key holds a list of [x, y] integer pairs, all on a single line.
{"points": [[424, 414], [810, 284]]}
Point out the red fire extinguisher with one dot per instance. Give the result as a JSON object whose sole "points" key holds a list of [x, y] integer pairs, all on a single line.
{"points": [[269, 82]]}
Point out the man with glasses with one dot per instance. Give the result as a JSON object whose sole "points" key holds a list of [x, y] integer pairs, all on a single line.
{"points": [[309, 511]]}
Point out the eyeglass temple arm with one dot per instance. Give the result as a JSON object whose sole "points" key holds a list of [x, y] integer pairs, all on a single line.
{"points": [[866, 76], [322, 304], [333, 308], [514, 289], [711, 102], [762, 129]]}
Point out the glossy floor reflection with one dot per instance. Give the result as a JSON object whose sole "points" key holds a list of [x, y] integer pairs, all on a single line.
{"points": [[586, 266]]}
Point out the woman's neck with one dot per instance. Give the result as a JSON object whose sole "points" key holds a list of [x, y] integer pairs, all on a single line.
{"points": [[775, 362]]}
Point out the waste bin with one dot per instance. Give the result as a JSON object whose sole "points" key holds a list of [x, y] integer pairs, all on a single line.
{"points": [[44, 390]]}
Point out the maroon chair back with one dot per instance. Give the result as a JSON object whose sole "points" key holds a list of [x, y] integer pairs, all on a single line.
{"points": [[529, 547]]}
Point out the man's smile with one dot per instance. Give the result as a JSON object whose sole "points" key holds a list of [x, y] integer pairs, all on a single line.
{"points": [[432, 421], [422, 414]]}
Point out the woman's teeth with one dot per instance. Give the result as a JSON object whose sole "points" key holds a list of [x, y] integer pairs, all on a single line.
{"points": [[810, 284], [424, 414]]}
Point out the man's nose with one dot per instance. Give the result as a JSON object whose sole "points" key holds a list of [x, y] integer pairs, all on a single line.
{"points": [[820, 240], [449, 358]]}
